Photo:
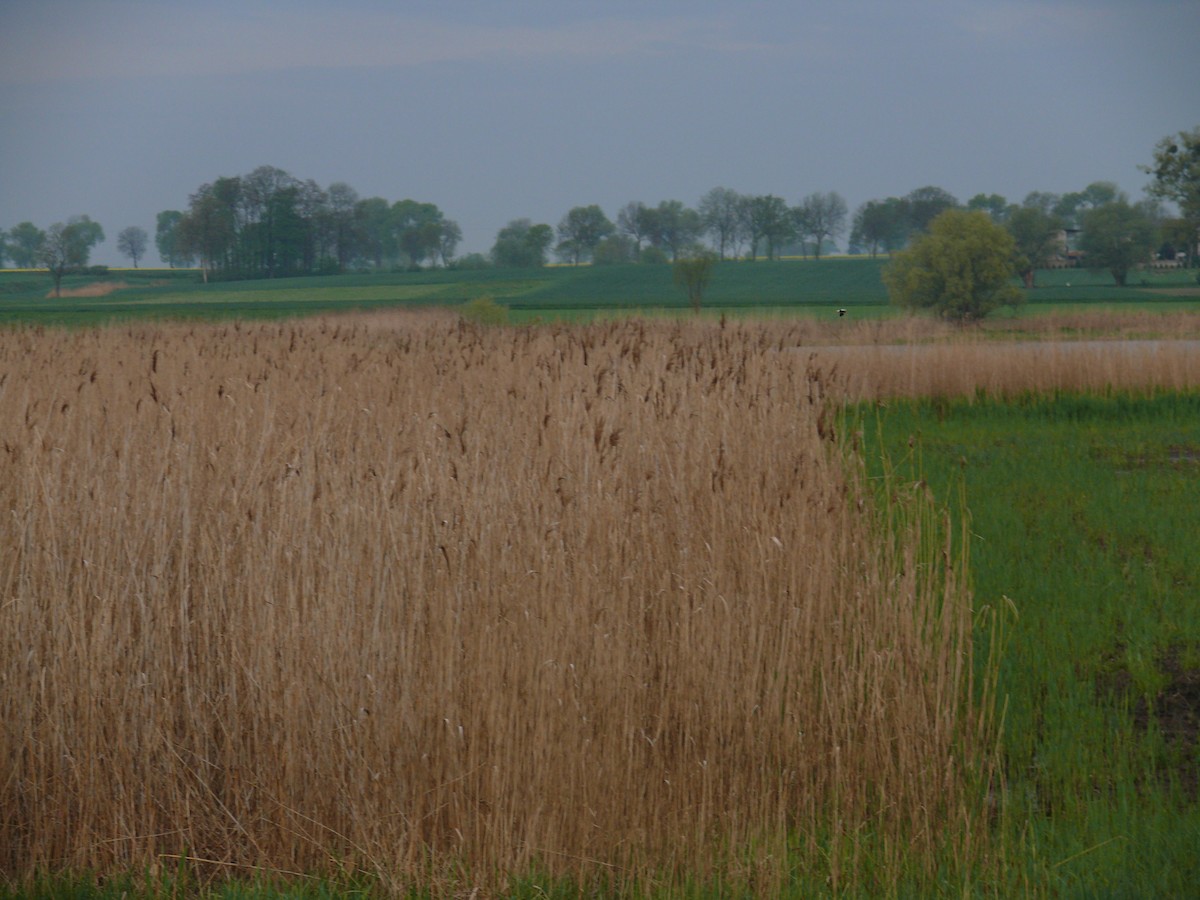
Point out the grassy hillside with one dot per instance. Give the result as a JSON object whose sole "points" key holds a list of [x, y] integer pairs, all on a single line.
{"points": [[789, 286]]}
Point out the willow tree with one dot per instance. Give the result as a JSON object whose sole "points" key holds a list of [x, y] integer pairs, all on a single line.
{"points": [[961, 268]]}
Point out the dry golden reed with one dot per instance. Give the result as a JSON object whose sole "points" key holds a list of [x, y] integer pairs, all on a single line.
{"points": [[436, 601], [1087, 351]]}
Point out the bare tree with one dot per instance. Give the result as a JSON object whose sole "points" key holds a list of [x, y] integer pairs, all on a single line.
{"points": [[636, 220], [720, 210], [132, 243], [821, 217]]}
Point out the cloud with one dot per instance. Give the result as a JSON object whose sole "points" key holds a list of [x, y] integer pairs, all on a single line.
{"points": [[131, 39]]}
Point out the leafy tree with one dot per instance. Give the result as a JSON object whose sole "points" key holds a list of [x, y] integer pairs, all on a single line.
{"points": [[927, 203], [614, 250], [1176, 172], [880, 225], [1118, 236], [767, 218], [992, 204], [68, 246], [132, 242], [421, 241], [167, 240], [821, 217], [522, 244], [473, 261], [311, 206], [676, 227], [24, 244], [1071, 206], [720, 215], [1098, 193], [1043, 200], [580, 230], [208, 230], [1035, 236], [417, 228], [344, 234], [637, 221], [961, 268], [653, 256], [269, 228], [448, 241], [86, 234], [373, 230], [1178, 236], [3, 247], [692, 275]]}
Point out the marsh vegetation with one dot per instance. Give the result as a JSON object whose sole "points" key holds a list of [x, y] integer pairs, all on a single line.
{"points": [[629, 605]]}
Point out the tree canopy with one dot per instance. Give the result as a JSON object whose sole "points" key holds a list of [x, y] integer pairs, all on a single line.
{"points": [[68, 246], [1117, 236], [132, 242], [961, 268], [880, 225], [24, 244], [821, 217], [1035, 236], [581, 230], [1176, 172], [268, 223], [522, 245]]}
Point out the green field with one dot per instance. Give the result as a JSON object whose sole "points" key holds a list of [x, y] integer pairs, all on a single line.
{"points": [[813, 287]]}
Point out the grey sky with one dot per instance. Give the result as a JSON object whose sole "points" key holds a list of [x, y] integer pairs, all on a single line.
{"points": [[497, 110]]}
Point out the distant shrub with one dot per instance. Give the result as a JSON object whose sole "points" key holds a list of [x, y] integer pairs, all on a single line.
{"points": [[485, 311], [653, 256], [472, 261], [614, 250], [692, 275]]}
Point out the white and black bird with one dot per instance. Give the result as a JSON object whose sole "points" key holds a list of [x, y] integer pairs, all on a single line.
{"points": [[841, 312]]}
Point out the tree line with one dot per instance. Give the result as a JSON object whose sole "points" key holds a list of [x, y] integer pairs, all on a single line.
{"points": [[962, 267], [268, 224]]}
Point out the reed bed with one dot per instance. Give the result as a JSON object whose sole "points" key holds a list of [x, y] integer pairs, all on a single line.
{"points": [[449, 605], [1006, 358]]}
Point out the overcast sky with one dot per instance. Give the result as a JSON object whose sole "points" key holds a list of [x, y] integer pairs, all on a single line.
{"points": [[496, 110]]}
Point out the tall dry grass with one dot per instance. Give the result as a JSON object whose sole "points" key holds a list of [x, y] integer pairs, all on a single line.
{"points": [[440, 602], [1064, 351]]}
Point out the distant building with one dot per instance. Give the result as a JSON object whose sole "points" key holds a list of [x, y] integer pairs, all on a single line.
{"points": [[1064, 255]]}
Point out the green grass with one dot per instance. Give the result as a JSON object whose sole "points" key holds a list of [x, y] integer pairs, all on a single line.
{"points": [[1085, 515]]}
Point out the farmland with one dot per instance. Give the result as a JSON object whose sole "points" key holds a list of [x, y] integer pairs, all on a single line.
{"points": [[787, 287], [774, 604]]}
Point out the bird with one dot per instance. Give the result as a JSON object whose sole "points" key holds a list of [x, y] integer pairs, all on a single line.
{"points": [[841, 312]]}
